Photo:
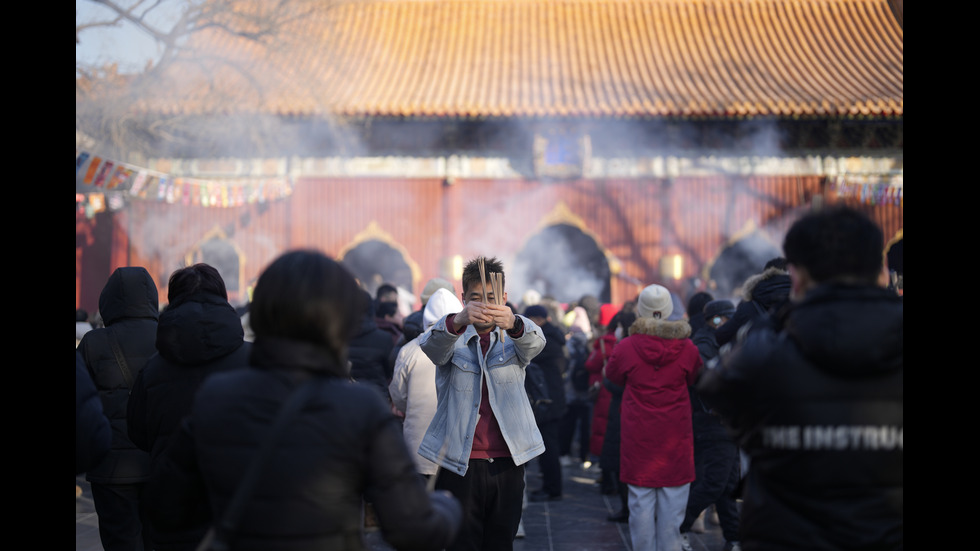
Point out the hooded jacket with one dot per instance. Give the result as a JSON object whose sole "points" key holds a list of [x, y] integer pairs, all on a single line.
{"points": [[371, 352], [655, 364], [197, 336], [762, 294], [130, 308], [343, 447], [413, 385], [93, 435], [818, 406]]}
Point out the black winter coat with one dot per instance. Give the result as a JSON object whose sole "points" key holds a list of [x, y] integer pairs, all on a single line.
{"points": [[130, 308], [196, 337], [370, 354], [765, 294], [344, 446], [818, 406], [553, 362], [93, 434]]}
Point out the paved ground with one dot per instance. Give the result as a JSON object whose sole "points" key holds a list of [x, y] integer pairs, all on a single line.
{"points": [[576, 523]]}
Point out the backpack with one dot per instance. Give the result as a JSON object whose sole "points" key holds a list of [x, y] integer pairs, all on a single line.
{"points": [[579, 375]]}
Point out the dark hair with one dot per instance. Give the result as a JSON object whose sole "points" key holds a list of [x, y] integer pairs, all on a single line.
{"points": [[81, 314], [305, 295], [471, 272], [385, 289], [197, 278], [625, 320], [836, 242]]}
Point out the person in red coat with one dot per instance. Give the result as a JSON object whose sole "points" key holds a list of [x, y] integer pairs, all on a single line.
{"points": [[602, 348], [655, 364]]}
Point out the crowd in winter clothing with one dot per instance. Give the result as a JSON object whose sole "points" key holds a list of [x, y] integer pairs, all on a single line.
{"points": [[679, 412]]}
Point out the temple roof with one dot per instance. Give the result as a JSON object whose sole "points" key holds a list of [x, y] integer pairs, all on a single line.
{"points": [[562, 58]]}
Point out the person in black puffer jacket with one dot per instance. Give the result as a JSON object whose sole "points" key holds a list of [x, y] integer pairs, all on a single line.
{"points": [[343, 447], [130, 307], [817, 402], [199, 334], [764, 294], [370, 351]]}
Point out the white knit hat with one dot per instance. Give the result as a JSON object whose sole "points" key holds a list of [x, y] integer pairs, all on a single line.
{"points": [[655, 298]]}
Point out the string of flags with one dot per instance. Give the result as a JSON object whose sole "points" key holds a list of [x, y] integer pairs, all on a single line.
{"points": [[870, 190], [117, 181]]}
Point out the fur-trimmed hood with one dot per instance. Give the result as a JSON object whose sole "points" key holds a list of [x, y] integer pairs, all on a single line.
{"points": [[761, 286], [661, 328]]}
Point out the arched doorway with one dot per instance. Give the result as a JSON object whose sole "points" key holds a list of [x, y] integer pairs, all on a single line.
{"points": [[373, 257], [563, 262], [739, 261]]}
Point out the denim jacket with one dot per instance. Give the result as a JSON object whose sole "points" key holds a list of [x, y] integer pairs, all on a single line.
{"points": [[459, 377]]}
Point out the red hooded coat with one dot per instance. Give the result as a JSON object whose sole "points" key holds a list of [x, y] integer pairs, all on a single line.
{"points": [[655, 365]]}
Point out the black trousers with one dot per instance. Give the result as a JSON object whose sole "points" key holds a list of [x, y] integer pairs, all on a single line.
{"points": [[577, 421], [492, 496], [117, 506], [550, 461], [716, 468]]}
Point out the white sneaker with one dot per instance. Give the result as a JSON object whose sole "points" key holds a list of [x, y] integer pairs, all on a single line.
{"points": [[520, 529], [686, 543]]}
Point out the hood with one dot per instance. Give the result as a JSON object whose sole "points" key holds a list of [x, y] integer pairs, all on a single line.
{"points": [[129, 293], [659, 341], [199, 329], [849, 331], [441, 302], [768, 288]]}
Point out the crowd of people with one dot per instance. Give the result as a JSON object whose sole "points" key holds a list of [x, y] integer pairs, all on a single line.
{"points": [[324, 409]]}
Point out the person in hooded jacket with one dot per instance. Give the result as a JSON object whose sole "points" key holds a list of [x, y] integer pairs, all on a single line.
{"points": [[114, 355], [93, 434], [764, 294], [817, 401], [602, 347], [199, 333], [655, 364], [552, 362], [341, 447], [370, 351], [612, 437], [413, 385], [716, 456]]}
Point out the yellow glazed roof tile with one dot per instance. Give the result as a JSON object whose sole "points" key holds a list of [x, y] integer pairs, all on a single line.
{"points": [[584, 58]]}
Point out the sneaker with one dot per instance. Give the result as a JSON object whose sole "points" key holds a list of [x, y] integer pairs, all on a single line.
{"points": [[520, 529], [685, 542]]}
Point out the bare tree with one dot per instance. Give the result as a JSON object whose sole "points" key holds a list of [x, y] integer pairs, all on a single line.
{"points": [[219, 59]]}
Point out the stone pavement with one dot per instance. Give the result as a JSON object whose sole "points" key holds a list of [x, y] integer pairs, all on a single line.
{"points": [[575, 523]]}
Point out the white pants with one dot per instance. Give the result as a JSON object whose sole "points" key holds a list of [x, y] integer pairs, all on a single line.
{"points": [[655, 517]]}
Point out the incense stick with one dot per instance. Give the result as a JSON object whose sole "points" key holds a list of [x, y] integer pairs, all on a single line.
{"points": [[483, 279]]}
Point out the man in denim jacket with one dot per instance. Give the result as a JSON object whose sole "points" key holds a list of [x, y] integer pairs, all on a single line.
{"points": [[483, 431]]}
